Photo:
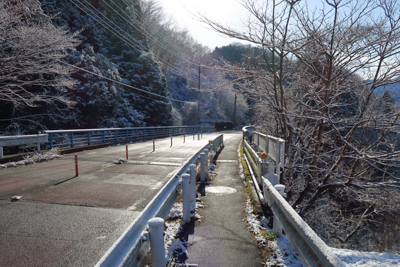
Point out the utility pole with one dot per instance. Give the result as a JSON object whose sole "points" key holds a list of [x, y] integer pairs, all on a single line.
{"points": [[198, 100], [234, 113]]}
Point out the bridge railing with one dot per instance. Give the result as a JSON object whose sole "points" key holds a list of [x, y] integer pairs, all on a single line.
{"points": [[133, 244], [72, 138]]}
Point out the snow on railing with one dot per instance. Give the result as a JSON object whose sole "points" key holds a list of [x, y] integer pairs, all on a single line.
{"points": [[311, 248], [134, 243]]}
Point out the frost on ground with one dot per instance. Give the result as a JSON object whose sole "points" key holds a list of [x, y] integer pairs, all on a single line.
{"points": [[282, 252], [175, 243], [37, 157]]}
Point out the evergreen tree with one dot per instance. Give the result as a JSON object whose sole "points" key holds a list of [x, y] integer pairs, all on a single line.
{"points": [[113, 44], [33, 81]]}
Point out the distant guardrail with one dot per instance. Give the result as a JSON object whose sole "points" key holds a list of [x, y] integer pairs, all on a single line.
{"points": [[311, 248], [133, 244], [72, 138], [17, 140]]}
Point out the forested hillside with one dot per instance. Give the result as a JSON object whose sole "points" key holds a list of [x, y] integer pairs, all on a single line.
{"points": [[118, 63]]}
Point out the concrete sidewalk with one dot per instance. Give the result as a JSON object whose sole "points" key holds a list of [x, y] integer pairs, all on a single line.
{"points": [[222, 237]]}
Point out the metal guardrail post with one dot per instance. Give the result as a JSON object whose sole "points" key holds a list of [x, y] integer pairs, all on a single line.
{"points": [[1, 152], [192, 183], [186, 197], [271, 168], [89, 138], [72, 139], [156, 227], [38, 144], [277, 227], [206, 156], [104, 136], [202, 168], [51, 141], [116, 135]]}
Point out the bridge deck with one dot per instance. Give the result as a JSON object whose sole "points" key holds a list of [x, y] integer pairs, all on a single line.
{"points": [[63, 220]]}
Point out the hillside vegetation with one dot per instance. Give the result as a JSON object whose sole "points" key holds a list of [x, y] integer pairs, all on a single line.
{"points": [[115, 63]]}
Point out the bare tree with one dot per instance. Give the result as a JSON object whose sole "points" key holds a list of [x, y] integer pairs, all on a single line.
{"points": [[31, 48], [323, 70]]}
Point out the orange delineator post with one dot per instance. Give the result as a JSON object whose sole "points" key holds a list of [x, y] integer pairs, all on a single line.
{"points": [[76, 164]]}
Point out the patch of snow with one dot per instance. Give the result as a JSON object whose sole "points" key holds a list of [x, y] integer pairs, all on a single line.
{"points": [[283, 252], [363, 259], [211, 166], [173, 227], [120, 161], [176, 212], [37, 157]]}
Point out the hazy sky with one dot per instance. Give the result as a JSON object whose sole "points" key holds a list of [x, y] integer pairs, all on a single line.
{"points": [[225, 11]]}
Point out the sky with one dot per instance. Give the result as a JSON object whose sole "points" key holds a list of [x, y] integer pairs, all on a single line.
{"points": [[225, 11]]}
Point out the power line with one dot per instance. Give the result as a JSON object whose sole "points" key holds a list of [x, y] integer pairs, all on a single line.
{"points": [[134, 43], [123, 38], [148, 35]]}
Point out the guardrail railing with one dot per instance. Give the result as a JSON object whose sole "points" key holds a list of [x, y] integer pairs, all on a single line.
{"points": [[274, 148], [17, 140], [311, 248], [130, 248], [72, 138]]}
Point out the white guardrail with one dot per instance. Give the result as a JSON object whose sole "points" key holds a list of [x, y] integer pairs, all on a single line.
{"points": [[134, 243], [311, 248], [22, 140]]}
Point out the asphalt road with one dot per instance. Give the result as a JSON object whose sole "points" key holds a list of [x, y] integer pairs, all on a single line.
{"points": [[64, 220]]}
